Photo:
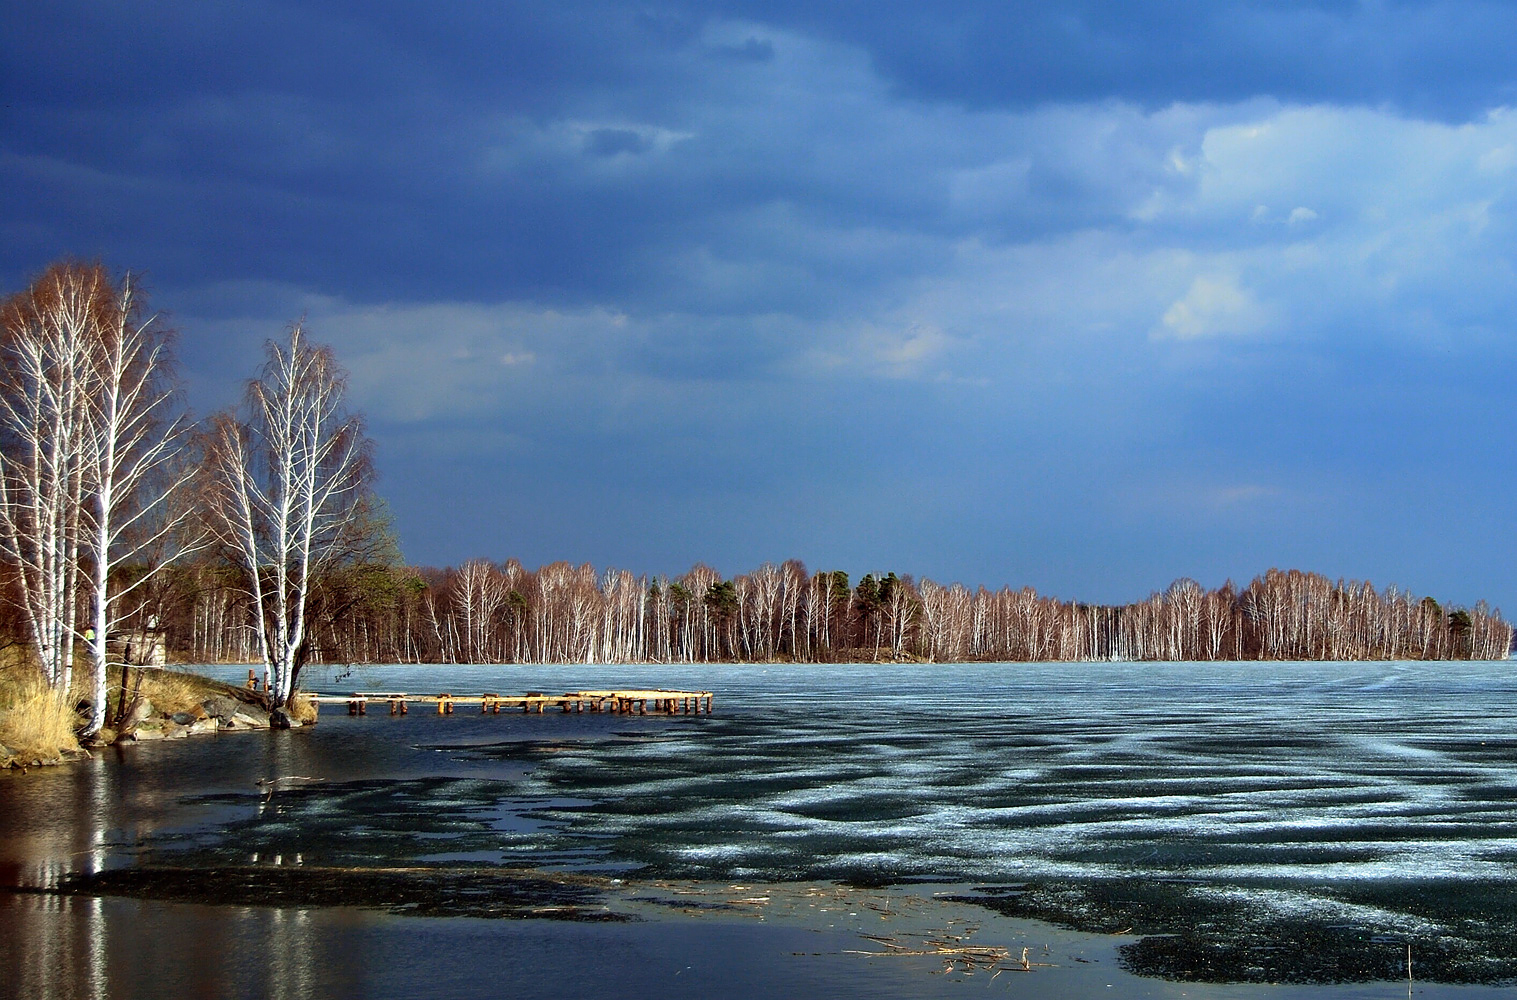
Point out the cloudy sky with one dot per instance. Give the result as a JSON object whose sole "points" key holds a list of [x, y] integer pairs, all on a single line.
{"points": [[1081, 295]]}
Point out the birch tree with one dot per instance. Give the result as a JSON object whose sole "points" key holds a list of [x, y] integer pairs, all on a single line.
{"points": [[133, 475], [44, 383], [288, 489]]}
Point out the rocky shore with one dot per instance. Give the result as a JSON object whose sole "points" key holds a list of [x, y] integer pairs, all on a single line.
{"points": [[214, 715], [169, 705]]}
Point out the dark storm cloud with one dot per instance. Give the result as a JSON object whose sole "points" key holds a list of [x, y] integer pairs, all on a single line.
{"points": [[1440, 58], [1088, 295], [325, 146]]}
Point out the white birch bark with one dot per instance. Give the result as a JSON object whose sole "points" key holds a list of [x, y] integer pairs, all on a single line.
{"points": [[287, 484]]}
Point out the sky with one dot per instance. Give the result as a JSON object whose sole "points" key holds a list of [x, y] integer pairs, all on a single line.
{"points": [[1076, 295]]}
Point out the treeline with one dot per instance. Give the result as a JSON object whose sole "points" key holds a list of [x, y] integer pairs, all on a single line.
{"points": [[485, 612], [253, 536]]}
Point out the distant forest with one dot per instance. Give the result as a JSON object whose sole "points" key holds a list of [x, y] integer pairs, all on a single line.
{"points": [[253, 535], [485, 612]]}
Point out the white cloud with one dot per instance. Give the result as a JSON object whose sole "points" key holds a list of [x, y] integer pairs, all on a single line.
{"points": [[1214, 305], [903, 353]]}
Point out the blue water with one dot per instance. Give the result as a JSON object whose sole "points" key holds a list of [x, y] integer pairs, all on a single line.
{"points": [[1340, 810], [1303, 773]]}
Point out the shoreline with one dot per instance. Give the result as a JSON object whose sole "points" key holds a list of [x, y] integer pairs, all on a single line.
{"points": [[187, 704], [804, 940], [921, 939], [909, 932]]}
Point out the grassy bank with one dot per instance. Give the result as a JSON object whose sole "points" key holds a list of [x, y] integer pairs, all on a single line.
{"points": [[37, 727]]}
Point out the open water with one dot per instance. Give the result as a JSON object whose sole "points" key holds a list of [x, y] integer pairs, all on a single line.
{"points": [[1261, 823]]}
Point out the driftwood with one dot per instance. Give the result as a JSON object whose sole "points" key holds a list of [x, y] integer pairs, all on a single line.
{"points": [[956, 955]]}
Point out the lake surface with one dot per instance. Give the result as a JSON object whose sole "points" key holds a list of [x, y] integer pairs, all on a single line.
{"points": [[1230, 823]]}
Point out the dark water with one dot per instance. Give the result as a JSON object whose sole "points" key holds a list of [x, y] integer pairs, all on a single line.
{"points": [[1239, 823]]}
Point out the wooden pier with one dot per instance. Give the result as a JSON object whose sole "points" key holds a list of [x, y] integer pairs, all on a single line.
{"points": [[627, 702]]}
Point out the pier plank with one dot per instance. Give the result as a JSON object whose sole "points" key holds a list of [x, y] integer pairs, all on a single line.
{"points": [[633, 701]]}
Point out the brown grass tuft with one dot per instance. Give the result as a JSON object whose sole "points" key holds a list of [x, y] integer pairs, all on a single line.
{"points": [[302, 709], [34, 723]]}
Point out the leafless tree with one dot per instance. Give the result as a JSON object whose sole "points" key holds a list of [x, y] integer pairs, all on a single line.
{"points": [[135, 515], [44, 430], [288, 486]]}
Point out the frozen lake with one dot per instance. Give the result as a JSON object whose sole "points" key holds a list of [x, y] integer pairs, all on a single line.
{"points": [[1240, 822]]}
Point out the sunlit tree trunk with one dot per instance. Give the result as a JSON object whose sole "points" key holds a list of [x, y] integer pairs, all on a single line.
{"points": [[287, 487]]}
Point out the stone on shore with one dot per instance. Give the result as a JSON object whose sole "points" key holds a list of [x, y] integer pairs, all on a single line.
{"points": [[251, 716], [280, 719], [222, 707], [140, 713]]}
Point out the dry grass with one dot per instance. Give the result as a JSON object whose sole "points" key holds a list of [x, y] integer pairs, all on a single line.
{"points": [[171, 691], [34, 723], [302, 709]]}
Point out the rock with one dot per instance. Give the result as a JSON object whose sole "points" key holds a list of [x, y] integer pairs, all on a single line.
{"points": [[106, 737], [183, 719], [206, 725], [280, 719], [139, 714], [222, 707], [251, 715], [176, 732], [143, 734]]}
